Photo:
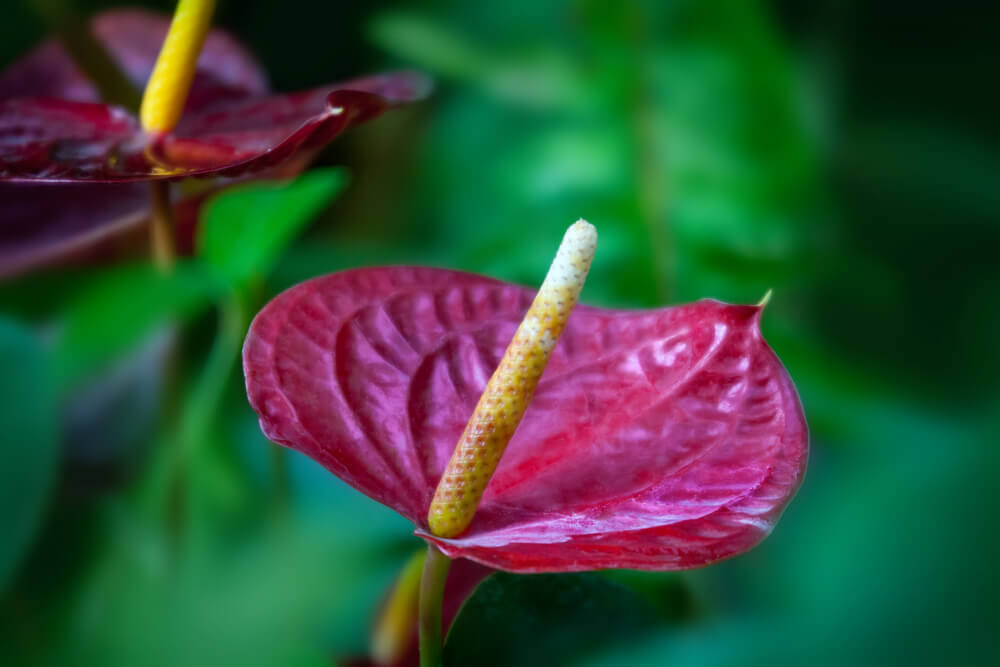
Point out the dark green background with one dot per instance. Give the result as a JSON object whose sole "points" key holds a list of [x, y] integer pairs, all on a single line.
{"points": [[843, 153]]}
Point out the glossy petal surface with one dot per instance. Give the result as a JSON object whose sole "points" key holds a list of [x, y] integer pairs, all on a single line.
{"points": [[662, 440], [58, 140], [82, 223], [45, 222]]}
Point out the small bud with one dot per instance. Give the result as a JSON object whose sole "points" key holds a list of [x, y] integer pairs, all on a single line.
{"points": [[509, 391], [168, 86]]}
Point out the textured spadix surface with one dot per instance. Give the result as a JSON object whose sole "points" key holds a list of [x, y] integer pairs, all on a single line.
{"points": [[52, 127], [664, 439]]}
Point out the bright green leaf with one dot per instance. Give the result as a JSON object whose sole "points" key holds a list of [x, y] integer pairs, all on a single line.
{"points": [[119, 308], [246, 229], [29, 453]]}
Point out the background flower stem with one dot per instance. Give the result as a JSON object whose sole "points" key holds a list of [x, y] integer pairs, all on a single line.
{"points": [[161, 227]]}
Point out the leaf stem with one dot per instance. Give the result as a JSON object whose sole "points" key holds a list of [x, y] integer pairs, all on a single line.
{"points": [[436, 566], [161, 227], [205, 396], [202, 403]]}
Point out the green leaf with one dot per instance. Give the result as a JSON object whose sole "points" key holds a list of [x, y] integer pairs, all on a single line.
{"points": [[429, 44], [232, 594], [683, 142], [29, 454], [119, 308], [545, 619], [246, 229], [537, 77]]}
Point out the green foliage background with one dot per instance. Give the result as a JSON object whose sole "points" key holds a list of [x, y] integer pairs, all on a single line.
{"points": [[842, 153]]}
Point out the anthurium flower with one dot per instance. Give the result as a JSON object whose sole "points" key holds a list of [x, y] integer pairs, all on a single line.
{"points": [[54, 129], [230, 127], [661, 440]]}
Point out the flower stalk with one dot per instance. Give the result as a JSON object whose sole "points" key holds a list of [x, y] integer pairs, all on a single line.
{"points": [[161, 227], [509, 390]]}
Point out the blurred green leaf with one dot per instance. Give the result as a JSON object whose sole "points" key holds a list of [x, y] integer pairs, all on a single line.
{"points": [[30, 448], [545, 619], [34, 297], [742, 643], [119, 308], [673, 127], [677, 127], [538, 76], [246, 229], [246, 588], [429, 44], [667, 592]]}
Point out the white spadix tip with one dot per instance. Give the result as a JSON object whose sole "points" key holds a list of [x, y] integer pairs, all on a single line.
{"points": [[584, 230], [572, 261]]}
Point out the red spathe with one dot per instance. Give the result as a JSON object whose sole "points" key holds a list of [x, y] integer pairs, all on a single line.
{"points": [[659, 440]]}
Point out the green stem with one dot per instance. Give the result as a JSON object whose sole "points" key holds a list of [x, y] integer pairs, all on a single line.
{"points": [[431, 595], [202, 403], [204, 398]]}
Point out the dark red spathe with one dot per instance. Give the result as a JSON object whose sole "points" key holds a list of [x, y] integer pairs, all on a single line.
{"points": [[69, 164], [53, 129]]}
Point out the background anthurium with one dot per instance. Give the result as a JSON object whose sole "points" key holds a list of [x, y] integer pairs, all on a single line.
{"points": [[663, 440], [54, 129], [230, 127]]}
